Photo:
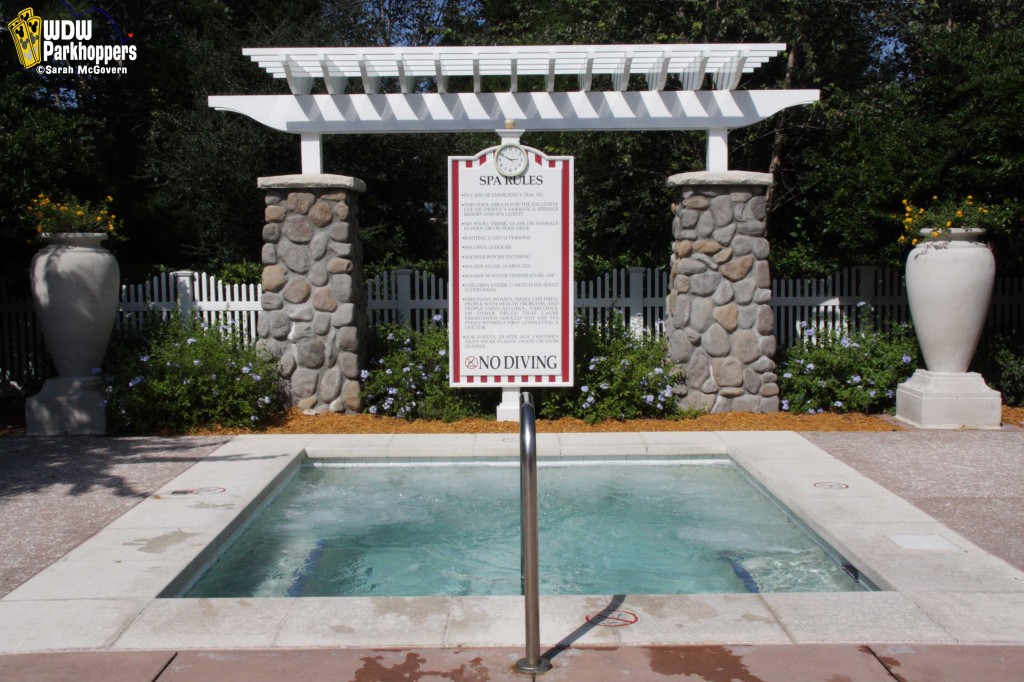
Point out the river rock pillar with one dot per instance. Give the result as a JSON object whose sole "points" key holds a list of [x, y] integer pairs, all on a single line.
{"points": [[314, 301], [719, 324]]}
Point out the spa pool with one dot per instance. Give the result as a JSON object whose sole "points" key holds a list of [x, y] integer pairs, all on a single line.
{"points": [[683, 527]]}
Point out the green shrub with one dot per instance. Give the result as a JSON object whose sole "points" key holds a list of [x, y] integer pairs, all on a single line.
{"points": [[1003, 367], [619, 375], [244, 272], [181, 375], [408, 377], [847, 372]]}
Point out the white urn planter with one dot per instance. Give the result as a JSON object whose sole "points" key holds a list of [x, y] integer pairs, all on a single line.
{"points": [[75, 292], [949, 287], [75, 284]]}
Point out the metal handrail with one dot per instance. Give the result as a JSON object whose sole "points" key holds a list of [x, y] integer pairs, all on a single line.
{"points": [[533, 663]]}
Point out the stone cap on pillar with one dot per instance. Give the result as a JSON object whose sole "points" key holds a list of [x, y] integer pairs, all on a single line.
{"points": [[318, 181], [720, 178]]}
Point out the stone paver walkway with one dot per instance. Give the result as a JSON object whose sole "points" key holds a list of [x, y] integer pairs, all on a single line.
{"points": [[57, 492], [765, 663]]}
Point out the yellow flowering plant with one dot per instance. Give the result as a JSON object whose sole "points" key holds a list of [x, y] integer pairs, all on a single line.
{"points": [[51, 216], [942, 216]]}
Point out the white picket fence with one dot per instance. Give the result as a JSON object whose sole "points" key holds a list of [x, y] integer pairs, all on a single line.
{"points": [[23, 356], [414, 297], [22, 353], [216, 303], [835, 302], [838, 301]]}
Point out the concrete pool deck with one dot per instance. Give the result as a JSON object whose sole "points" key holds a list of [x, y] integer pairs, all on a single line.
{"points": [[941, 587]]}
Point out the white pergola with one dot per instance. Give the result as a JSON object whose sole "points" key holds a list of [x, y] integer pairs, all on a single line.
{"points": [[424, 103]]}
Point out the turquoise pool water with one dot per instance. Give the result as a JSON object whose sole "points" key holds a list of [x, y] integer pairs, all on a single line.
{"points": [[454, 530]]}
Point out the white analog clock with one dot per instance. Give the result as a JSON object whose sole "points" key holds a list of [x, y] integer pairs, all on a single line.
{"points": [[511, 160]]}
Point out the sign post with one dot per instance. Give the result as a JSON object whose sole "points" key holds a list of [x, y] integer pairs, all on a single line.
{"points": [[510, 270]]}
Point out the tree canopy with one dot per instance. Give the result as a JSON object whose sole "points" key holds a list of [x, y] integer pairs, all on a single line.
{"points": [[920, 98]]}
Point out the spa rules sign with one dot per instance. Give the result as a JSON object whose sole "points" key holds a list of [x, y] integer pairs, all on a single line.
{"points": [[510, 246]]}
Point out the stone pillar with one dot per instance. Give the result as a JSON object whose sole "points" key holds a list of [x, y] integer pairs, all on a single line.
{"points": [[314, 301], [719, 324]]}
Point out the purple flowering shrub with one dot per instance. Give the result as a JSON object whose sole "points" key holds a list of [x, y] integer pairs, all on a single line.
{"points": [[408, 377], [182, 374], [856, 371], [618, 375]]}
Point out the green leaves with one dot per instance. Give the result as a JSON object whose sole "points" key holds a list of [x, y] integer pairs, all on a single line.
{"points": [[181, 374], [1002, 359], [931, 114], [44, 149], [918, 98], [846, 371], [408, 377], [618, 375]]}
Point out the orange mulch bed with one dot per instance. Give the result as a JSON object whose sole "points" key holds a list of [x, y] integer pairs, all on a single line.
{"points": [[295, 421]]}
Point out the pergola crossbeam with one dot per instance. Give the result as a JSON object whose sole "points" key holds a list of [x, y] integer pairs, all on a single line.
{"points": [[586, 76], [468, 112], [725, 63], [728, 76], [692, 75], [620, 77], [440, 77], [336, 85], [657, 77], [425, 102], [371, 79], [298, 81]]}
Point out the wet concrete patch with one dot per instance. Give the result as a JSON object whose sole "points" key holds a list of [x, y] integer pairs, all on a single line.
{"points": [[401, 665], [767, 663], [710, 663]]}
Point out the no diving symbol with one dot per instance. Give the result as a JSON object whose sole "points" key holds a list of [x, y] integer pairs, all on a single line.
{"points": [[472, 362], [612, 618], [206, 491], [831, 485]]}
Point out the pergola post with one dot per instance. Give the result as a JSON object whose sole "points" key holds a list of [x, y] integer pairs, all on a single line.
{"points": [[717, 159], [311, 148]]}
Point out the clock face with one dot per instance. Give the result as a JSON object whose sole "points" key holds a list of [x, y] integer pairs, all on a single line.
{"points": [[511, 160]]}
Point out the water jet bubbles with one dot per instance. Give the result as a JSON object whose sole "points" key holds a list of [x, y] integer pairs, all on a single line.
{"points": [[443, 508]]}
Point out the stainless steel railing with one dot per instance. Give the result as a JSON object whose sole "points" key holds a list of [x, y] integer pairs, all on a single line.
{"points": [[533, 663]]}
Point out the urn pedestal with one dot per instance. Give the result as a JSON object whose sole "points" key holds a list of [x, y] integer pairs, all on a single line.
{"points": [[949, 288], [75, 294]]}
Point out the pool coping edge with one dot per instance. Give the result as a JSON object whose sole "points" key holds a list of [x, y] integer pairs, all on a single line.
{"points": [[110, 585]]}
